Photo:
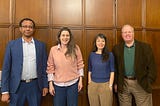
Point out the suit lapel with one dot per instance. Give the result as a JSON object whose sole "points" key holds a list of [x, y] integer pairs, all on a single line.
{"points": [[20, 49], [137, 48], [122, 55], [37, 50]]}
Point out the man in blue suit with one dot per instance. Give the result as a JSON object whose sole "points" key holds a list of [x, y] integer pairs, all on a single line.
{"points": [[24, 69]]}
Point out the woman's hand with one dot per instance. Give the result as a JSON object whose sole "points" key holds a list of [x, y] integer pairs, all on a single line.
{"points": [[80, 84], [51, 88]]}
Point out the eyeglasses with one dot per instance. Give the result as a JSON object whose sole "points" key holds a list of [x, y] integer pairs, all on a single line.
{"points": [[30, 27]]}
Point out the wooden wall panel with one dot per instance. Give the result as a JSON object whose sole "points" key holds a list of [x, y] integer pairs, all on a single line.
{"points": [[2, 103], [4, 11], [153, 13], [43, 35], [152, 37], [4, 38], [99, 13], [129, 12], [47, 100], [67, 12], [17, 33], [78, 38], [38, 10], [156, 95]]}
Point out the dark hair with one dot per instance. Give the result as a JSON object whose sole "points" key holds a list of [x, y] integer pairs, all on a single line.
{"points": [[105, 52], [71, 44], [26, 19]]}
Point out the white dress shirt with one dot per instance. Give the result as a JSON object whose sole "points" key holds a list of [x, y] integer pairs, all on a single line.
{"points": [[29, 60]]}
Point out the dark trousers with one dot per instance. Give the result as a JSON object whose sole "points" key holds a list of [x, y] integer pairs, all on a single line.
{"points": [[27, 92], [66, 96]]}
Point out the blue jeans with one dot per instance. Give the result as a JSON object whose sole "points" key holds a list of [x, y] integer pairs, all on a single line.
{"points": [[66, 96]]}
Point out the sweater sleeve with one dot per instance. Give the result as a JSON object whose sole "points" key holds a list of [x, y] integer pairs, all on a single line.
{"points": [[89, 63], [80, 63], [112, 67], [50, 63]]}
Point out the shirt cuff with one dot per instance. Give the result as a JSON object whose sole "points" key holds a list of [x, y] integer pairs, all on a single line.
{"points": [[5, 92], [81, 72], [50, 77]]}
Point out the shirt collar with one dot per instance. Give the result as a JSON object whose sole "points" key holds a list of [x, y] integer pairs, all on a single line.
{"points": [[130, 46], [32, 41]]}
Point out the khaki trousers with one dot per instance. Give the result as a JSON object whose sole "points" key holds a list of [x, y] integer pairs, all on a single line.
{"points": [[99, 94], [142, 98]]}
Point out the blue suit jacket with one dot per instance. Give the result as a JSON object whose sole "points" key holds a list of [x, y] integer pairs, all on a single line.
{"points": [[13, 63]]}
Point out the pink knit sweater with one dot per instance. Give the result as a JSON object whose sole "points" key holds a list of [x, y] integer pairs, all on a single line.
{"points": [[62, 68]]}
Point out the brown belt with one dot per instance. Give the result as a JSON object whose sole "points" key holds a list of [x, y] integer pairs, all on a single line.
{"points": [[130, 77], [29, 80]]}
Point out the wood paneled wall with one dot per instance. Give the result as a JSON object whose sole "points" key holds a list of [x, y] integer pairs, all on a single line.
{"points": [[85, 18]]}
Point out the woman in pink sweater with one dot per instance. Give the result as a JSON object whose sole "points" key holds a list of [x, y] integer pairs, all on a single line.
{"points": [[65, 70]]}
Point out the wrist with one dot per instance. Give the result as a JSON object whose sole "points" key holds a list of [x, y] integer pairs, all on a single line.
{"points": [[50, 82], [110, 85]]}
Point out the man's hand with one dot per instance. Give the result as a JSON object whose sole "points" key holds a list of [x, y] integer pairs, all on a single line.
{"points": [[115, 88], [5, 98], [45, 91]]}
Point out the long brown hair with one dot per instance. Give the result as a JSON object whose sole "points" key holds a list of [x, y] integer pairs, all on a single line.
{"points": [[71, 46]]}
